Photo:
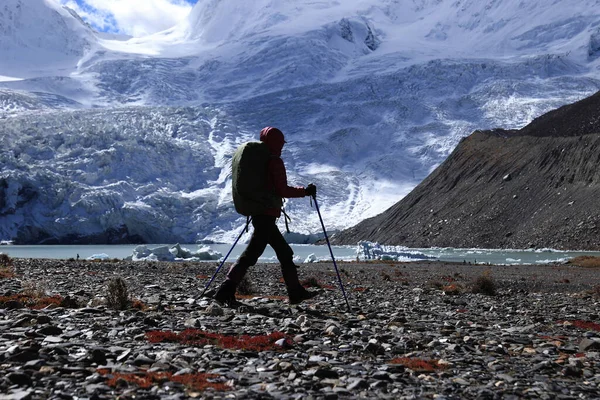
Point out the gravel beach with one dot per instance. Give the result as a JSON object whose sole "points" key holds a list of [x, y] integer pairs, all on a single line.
{"points": [[415, 331]]}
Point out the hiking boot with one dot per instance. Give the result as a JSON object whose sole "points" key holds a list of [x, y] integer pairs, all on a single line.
{"points": [[226, 293], [297, 296]]}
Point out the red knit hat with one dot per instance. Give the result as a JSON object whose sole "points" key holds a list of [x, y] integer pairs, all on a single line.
{"points": [[274, 139]]}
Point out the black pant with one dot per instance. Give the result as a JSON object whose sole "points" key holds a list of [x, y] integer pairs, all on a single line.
{"points": [[265, 232]]}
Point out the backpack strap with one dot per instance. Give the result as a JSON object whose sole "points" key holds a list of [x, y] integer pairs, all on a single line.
{"points": [[286, 218]]}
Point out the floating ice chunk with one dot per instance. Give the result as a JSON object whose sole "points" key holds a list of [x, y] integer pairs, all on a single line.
{"points": [[206, 253], [140, 253], [374, 251], [163, 253], [101, 256], [180, 252], [173, 253], [311, 258]]}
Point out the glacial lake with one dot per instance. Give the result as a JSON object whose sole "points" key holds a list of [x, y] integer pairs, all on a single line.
{"points": [[302, 252]]}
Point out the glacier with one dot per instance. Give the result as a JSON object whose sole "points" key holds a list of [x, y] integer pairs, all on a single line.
{"points": [[129, 140]]}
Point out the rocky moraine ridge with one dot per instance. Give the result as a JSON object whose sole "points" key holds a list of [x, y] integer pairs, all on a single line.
{"points": [[537, 187], [416, 331]]}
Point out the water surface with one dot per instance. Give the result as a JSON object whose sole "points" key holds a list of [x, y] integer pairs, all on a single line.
{"points": [[302, 252]]}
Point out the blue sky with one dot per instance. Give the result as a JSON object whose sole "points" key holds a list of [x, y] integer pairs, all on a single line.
{"points": [[131, 17]]}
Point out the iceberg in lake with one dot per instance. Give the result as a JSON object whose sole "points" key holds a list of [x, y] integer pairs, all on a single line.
{"points": [[173, 253], [374, 251]]}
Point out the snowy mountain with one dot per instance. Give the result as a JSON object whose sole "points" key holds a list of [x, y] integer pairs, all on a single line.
{"points": [[37, 38], [129, 140]]}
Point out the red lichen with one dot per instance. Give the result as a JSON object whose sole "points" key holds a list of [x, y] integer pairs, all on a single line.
{"points": [[195, 337], [452, 289], [311, 282], [561, 338], [586, 325], [138, 304], [418, 364], [198, 381], [33, 302], [7, 273]]}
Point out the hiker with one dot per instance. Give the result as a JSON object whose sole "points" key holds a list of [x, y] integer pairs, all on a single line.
{"points": [[259, 184]]}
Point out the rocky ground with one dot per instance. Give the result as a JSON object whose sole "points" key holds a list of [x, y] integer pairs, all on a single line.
{"points": [[415, 331]]}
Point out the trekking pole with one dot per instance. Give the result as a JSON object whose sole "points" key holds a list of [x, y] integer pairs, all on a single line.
{"points": [[224, 259], [331, 252]]}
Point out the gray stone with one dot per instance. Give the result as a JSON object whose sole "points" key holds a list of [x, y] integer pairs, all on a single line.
{"points": [[50, 330], [17, 395], [19, 379], [326, 373], [357, 384], [589, 344]]}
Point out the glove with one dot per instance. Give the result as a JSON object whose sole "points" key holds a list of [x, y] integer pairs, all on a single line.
{"points": [[311, 190]]}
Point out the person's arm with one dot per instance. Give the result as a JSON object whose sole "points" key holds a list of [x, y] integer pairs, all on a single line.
{"points": [[278, 179]]}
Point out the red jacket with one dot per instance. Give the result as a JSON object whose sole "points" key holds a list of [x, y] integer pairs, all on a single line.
{"points": [[273, 137]]}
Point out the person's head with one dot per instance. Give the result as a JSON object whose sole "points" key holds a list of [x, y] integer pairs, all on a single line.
{"points": [[274, 139]]}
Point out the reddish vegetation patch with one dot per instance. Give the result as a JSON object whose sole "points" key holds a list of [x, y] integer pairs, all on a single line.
{"points": [[195, 337], [202, 276], [418, 364], [147, 379], [452, 289], [311, 283], [7, 273], [32, 302], [586, 325], [138, 304], [359, 289], [561, 338]]}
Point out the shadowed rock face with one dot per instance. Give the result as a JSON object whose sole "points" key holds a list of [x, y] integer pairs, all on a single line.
{"points": [[535, 187]]}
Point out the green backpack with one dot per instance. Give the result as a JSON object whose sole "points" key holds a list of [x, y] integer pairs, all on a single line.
{"points": [[249, 165]]}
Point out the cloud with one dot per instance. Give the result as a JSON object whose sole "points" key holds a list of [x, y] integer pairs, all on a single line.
{"points": [[132, 17]]}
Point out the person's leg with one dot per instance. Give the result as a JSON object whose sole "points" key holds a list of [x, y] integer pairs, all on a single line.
{"points": [[254, 249], [296, 292]]}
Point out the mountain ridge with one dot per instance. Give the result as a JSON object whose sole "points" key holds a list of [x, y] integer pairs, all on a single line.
{"points": [[533, 187]]}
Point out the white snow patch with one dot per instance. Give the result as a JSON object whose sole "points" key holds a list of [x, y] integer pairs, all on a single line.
{"points": [[9, 79]]}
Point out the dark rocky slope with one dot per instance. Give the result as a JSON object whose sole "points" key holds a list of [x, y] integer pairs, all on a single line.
{"points": [[534, 187]]}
